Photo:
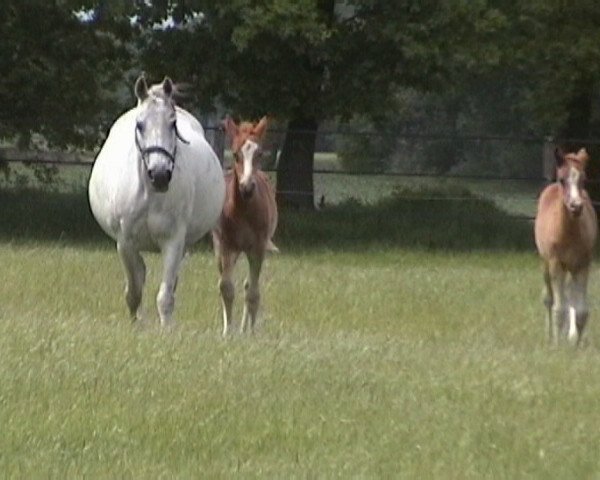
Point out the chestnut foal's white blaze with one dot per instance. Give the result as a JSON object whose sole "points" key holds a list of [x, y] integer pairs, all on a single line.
{"points": [[248, 221], [566, 229], [156, 185], [248, 151]]}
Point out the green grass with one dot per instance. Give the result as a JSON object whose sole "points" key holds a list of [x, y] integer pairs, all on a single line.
{"points": [[401, 339], [376, 365], [512, 196]]}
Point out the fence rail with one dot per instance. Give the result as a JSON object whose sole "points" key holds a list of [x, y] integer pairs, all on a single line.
{"points": [[543, 160]]}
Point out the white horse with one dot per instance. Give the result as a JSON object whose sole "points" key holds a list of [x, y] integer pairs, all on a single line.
{"points": [[156, 185]]}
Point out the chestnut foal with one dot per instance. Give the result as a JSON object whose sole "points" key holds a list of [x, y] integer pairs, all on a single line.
{"points": [[566, 229], [248, 221]]}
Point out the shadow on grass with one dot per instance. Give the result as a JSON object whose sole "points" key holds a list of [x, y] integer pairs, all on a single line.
{"points": [[429, 220], [422, 219], [47, 216]]}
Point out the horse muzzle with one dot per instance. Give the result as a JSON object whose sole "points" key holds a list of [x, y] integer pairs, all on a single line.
{"points": [[160, 178], [575, 208], [247, 190]]}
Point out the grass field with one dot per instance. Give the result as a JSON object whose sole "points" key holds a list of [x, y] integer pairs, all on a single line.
{"points": [[401, 338]]}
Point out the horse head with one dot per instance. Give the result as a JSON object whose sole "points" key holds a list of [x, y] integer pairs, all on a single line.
{"points": [[570, 173], [246, 139], [156, 131]]}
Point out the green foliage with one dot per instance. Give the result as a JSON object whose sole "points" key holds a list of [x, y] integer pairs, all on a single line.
{"points": [[313, 59], [59, 73], [453, 67], [366, 153], [556, 48]]}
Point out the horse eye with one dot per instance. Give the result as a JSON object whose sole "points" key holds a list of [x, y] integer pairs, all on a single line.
{"points": [[140, 126]]}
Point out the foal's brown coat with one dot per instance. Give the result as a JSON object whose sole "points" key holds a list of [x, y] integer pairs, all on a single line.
{"points": [[566, 229], [248, 221]]}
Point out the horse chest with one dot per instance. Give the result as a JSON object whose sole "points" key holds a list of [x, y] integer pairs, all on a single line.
{"points": [[573, 248], [243, 232]]}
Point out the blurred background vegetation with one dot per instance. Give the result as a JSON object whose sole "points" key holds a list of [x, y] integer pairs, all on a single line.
{"points": [[400, 70]]}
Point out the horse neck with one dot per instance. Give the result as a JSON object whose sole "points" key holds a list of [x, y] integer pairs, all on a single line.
{"points": [[234, 198]]}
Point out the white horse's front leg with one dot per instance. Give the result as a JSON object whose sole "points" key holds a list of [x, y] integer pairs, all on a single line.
{"points": [[135, 276], [251, 286], [579, 307], [165, 300]]}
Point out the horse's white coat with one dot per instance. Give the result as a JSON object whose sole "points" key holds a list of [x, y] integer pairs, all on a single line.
{"points": [[139, 218]]}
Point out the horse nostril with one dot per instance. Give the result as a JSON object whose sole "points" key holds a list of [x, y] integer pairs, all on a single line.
{"points": [[247, 189], [576, 207], [160, 179]]}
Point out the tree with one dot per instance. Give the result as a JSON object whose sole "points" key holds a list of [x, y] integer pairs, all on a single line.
{"points": [[310, 60], [536, 74], [556, 47], [58, 70]]}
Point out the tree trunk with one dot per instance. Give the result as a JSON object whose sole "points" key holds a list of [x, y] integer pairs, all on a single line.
{"points": [[295, 169]]}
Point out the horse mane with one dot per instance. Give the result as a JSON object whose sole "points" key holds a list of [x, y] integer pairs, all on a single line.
{"points": [[179, 93]]}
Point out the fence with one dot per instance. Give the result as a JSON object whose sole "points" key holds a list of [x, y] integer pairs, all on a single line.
{"points": [[400, 160], [381, 161]]}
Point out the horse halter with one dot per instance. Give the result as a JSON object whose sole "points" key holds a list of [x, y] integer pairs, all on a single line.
{"points": [[145, 151]]}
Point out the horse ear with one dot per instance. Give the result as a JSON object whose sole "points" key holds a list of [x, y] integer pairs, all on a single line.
{"points": [[167, 86], [261, 127], [559, 155], [141, 88], [583, 156], [230, 127]]}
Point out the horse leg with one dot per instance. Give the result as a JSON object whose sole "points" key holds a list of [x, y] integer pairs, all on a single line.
{"points": [[226, 261], [252, 291], [548, 301], [135, 276], [579, 306], [165, 300], [559, 307]]}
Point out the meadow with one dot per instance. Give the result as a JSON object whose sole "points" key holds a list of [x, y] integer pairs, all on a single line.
{"points": [[401, 336]]}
